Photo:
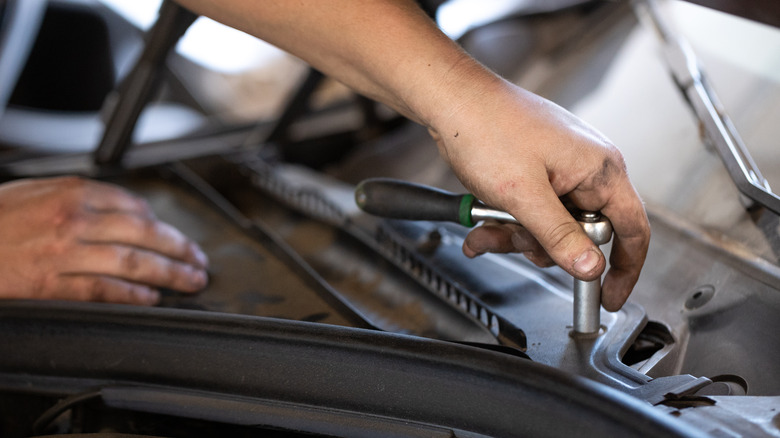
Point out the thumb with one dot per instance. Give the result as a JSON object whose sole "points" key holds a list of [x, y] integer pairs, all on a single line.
{"points": [[560, 235]]}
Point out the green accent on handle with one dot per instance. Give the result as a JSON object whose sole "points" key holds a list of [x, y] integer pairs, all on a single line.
{"points": [[464, 212]]}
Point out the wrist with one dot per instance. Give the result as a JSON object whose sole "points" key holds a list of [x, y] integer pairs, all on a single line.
{"points": [[454, 100]]}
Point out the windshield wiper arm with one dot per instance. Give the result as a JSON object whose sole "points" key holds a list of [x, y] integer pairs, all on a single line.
{"points": [[719, 129]]}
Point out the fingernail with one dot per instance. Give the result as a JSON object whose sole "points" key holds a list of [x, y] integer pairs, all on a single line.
{"points": [[586, 262]]}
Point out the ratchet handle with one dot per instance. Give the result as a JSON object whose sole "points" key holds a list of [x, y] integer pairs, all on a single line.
{"points": [[397, 199]]}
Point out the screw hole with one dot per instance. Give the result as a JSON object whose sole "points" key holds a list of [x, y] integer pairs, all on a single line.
{"points": [[699, 297]]}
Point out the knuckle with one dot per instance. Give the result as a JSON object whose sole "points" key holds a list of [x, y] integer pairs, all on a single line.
{"points": [[614, 154], [53, 250], [559, 235], [70, 217], [638, 234], [170, 274], [619, 162], [69, 221], [611, 169], [147, 227], [130, 260]]}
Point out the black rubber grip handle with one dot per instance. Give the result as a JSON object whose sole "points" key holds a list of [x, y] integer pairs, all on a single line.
{"points": [[398, 199]]}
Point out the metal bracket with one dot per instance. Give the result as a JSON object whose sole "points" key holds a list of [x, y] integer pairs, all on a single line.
{"points": [[721, 132]]}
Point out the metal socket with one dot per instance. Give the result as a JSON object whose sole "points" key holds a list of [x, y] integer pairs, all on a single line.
{"points": [[587, 294]]}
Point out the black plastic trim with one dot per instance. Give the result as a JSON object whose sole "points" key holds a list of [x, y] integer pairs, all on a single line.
{"points": [[326, 368]]}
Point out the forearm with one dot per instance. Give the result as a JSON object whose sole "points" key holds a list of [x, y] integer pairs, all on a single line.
{"points": [[388, 50]]}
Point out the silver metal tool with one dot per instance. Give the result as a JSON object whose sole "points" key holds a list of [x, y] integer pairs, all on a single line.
{"points": [[403, 200], [587, 294]]}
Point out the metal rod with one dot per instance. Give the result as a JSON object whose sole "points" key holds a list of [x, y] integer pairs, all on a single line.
{"points": [[124, 108], [587, 306], [687, 72], [480, 212]]}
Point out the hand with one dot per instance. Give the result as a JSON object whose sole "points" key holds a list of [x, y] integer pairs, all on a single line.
{"points": [[75, 239], [521, 153], [511, 148]]}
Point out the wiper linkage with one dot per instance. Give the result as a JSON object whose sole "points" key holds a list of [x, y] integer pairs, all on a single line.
{"points": [[719, 129]]}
